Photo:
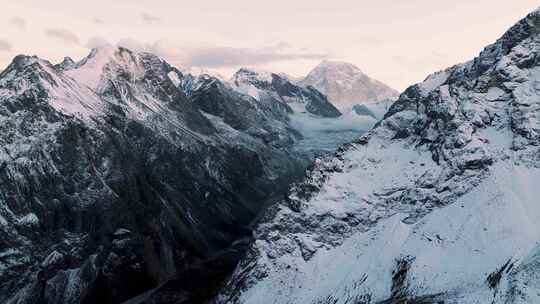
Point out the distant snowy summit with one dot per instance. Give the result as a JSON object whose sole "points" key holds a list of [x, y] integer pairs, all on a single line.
{"points": [[346, 85], [337, 86]]}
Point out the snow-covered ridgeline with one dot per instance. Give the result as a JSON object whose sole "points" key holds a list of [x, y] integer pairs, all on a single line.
{"points": [[436, 203]]}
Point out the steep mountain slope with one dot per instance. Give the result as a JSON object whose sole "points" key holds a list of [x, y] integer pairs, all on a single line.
{"points": [[265, 85], [346, 85], [437, 204], [113, 181], [267, 119]]}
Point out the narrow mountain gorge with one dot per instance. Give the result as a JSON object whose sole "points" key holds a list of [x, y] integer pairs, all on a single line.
{"points": [[438, 203], [121, 175]]}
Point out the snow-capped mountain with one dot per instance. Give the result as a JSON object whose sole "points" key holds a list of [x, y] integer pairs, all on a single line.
{"points": [[115, 178], [198, 71], [346, 85], [438, 203]]}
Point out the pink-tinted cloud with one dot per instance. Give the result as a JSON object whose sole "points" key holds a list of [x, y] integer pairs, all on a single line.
{"points": [[214, 56], [18, 22], [64, 35], [5, 46], [149, 18]]}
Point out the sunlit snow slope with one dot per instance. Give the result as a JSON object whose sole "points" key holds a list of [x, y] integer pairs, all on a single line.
{"points": [[439, 203]]}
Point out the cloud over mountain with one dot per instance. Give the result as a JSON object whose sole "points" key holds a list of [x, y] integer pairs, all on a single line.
{"points": [[64, 35], [216, 56], [5, 46]]}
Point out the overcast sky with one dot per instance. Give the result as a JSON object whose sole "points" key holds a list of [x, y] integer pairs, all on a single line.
{"points": [[396, 41]]}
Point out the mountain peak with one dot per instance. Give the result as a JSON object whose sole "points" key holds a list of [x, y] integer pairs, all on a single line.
{"points": [[66, 64], [346, 85], [22, 61], [252, 76], [337, 67], [525, 28], [246, 74], [90, 69], [200, 71], [24, 65]]}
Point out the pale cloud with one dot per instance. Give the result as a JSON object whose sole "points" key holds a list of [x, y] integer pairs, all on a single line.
{"points": [[96, 42], [370, 41], [211, 56], [214, 56], [366, 33], [18, 22], [5, 46], [149, 18], [66, 36]]}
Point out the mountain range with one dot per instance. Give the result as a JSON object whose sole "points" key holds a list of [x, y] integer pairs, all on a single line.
{"points": [[124, 179], [120, 173]]}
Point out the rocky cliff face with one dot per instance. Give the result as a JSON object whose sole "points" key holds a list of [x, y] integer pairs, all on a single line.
{"points": [[346, 85], [115, 178], [437, 204]]}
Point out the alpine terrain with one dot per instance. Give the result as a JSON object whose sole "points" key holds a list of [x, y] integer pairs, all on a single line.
{"points": [[438, 203], [122, 178]]}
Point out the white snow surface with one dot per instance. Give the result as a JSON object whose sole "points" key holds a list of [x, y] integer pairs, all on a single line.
{"points": [[89, 71], [198, 71], [455, 248]]}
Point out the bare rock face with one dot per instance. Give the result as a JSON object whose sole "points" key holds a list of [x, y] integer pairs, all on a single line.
{"points": [[346, 85], [116, 179], [438, 203]]}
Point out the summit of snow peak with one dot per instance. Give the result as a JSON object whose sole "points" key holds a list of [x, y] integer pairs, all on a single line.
{"points": [[346, 85]]}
